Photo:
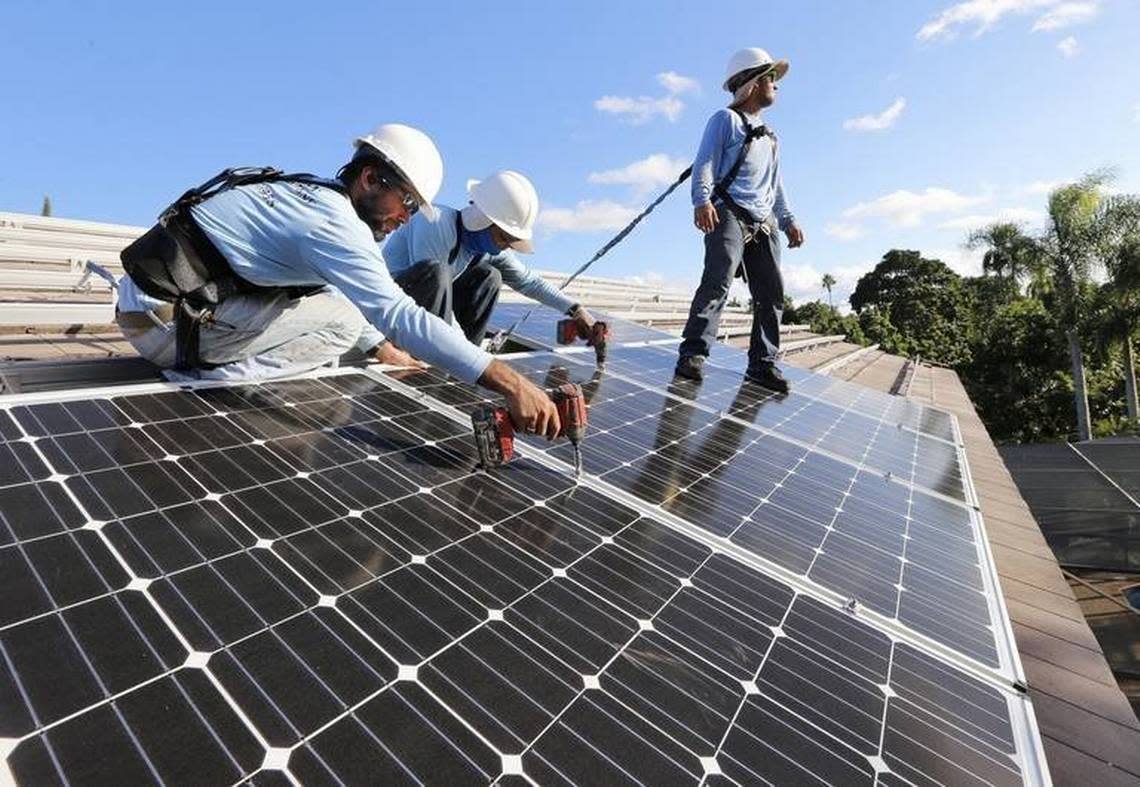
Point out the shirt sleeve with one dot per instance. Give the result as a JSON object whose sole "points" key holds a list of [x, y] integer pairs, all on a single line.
{"points": [[342, 252], [707, 161], [520, 278]]}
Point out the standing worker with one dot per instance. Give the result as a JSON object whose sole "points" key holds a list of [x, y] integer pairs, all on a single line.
{"points": [[454, 262], [240, 277], [739, 203]]}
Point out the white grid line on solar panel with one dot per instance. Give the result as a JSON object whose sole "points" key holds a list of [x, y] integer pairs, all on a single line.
{"points": [[642, 365], [1082, 454], [925, 618]]}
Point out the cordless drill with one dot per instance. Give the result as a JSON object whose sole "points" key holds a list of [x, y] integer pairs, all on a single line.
{"points": [[568, 333], [495, 434]]}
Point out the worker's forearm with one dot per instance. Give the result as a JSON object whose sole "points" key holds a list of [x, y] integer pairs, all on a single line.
{"points": [[501, 378]]}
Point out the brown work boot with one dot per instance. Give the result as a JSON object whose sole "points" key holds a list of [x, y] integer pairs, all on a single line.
{"points": [[691, 367], [768, 376]]}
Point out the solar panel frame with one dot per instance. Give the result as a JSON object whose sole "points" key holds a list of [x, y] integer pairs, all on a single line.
{"points": [[1021, 715]]}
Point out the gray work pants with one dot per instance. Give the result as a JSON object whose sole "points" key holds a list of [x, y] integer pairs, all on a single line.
{"points": [[470, 297], [725, 252], [262, 336]]}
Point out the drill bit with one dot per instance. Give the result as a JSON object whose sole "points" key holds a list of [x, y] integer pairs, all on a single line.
{"points": [[577, 460]]}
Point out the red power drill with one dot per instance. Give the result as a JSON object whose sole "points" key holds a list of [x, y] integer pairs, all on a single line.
{"points": [[599, 334], [495, 433]]}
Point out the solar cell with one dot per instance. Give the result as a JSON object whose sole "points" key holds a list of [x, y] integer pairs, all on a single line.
{"points": [[327, 585]]}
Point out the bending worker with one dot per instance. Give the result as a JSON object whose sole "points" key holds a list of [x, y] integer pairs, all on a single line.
{"points": [[454, 262], [243, 277], [739, 203]]}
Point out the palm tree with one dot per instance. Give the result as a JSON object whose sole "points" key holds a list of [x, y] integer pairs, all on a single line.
{"points": [[1073, 241], [828, 283], [1009, 252]]}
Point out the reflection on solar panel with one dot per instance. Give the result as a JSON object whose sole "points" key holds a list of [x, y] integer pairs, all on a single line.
{"points": [[538, 332], [222, 584]]}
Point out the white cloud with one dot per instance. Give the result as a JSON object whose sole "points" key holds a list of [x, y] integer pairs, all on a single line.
{"points": [[1068, 47], [1041, 187], [983, 15], [642, 109], [674, 83], [905, 208], [643, 176], [879, 122], [1066, 15], [803, 282], [973, 221], [843, 231], [963, 261], [587, 216]]}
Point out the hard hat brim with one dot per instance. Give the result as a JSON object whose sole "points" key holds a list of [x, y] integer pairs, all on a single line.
{"points": [[779, 66]]}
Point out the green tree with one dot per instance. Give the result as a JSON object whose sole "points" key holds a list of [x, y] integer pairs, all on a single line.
{"points": [[1116, 314], [45, 208], [923, 303], [828, 283]]}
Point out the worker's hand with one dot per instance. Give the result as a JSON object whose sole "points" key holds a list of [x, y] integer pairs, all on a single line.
{"points": [[391, 354], [705, 217], [795, 235], [583, 320], [532, 411]]}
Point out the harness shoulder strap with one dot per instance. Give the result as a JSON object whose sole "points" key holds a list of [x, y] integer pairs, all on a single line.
{"points": [[750, 133], [242, 176], [458, 238]]}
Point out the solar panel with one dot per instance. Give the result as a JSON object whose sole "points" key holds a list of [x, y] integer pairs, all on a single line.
{"points": [[310, 580], [840, 521], [538, 332]]}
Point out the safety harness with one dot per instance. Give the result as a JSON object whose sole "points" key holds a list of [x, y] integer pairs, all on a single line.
{"points": [[720, 190], [175, 262]]}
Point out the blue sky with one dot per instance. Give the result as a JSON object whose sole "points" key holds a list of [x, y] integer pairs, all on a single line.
{"points": [[902, 123]]}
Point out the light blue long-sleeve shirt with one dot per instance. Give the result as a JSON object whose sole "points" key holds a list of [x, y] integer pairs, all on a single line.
{"points": [[423, 239], [303, 235], [758, 186]]}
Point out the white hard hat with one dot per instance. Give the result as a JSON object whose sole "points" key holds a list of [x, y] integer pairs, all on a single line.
{"points": [[750, 58], [413, 155], [508, 200]]}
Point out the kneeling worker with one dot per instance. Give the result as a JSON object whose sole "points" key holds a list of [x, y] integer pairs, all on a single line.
{"points": [[454, 262], [262, 274]]}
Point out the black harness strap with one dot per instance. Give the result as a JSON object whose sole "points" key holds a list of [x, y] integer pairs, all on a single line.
{"points": [[458, 239], [720, 190], [176, 262]]}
